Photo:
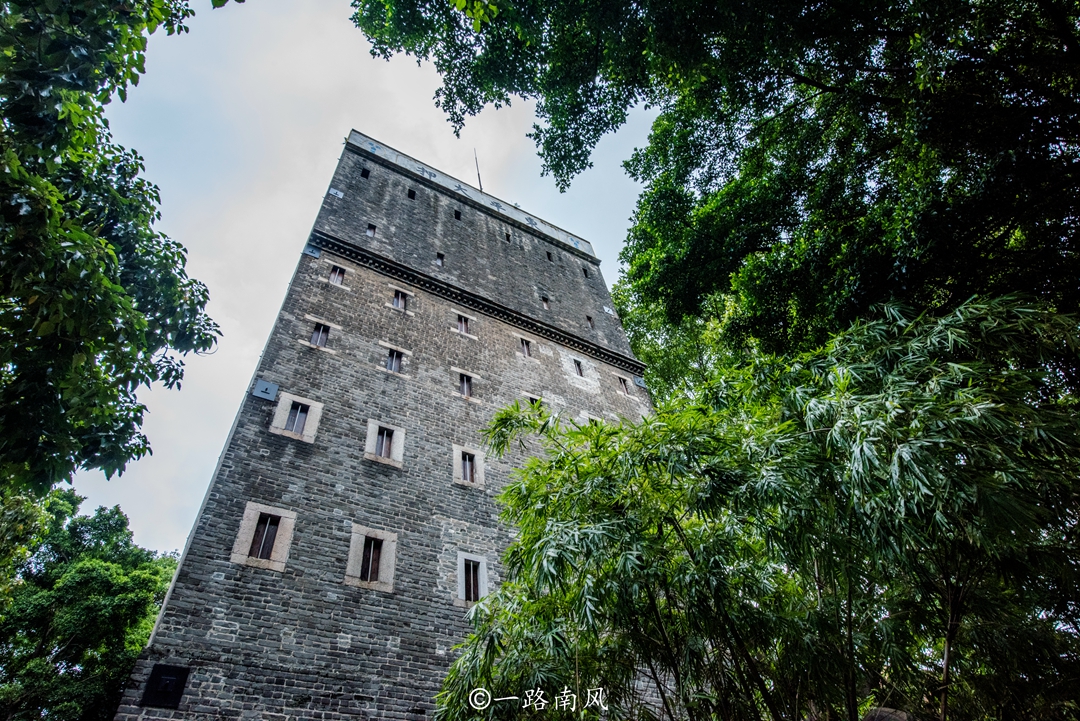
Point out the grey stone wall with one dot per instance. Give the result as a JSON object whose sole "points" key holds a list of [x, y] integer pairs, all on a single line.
{"points": [[300, 643]]}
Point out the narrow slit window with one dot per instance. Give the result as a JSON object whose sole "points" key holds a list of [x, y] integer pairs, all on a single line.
{"points": [[337, 275], [262, 545], [401, 300], [507, 237], [369, 565], [526, 348], [546, 302], [465, 385], [320, 335], [371, 230], [393, 361], [472, 580], [551, 258], [589, 320], [457, 215], [440, 259], [463, 324], [468, 467], [384, 442], [365, 173], [298, 414], [577, 368], [585, 271], [624, 386], [412, 194]]}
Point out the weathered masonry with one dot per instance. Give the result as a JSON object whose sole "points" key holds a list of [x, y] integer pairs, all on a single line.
{"points": [[351, 520]]}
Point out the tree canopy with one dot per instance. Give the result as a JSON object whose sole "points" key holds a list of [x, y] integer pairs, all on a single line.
{"points": [[81, 609], [94, 302], [810, 160], [888, 521]]}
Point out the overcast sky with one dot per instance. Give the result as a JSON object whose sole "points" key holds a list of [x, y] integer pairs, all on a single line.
{"points": [[241, 123]]}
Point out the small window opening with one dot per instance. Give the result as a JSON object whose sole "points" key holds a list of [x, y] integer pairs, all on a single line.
{"points": [[472, 580], [457, 215], [551, 258], [589, 320], [577, 367], [440, 259], [337, 275], [526, 348], [262, 545], [412, 194], [507, 237], [546, 302], [533, 401], [371, 230], [585, 271], [462, 324], [393, 361], [369, 564], [320, 335], [364, 173], [401, 300], [624, 386], [468, 467], [465, 385], [384, 442], [298, 413]]}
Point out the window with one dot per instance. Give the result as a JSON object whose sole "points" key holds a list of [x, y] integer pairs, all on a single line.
{"points": [[393, 361], [526, 348], [462, 324], [337, 275], [401, 300], [265, 537], [165, 687], [585, 271], [550, 258], [465, 385], [577, 367], [472, 580], [364, 173], [384, 442], [369, 562], [412, 194], [624, 385], [457, 215], [507, 237], [371, 230], [297, 419], [440, 259], [546, 302], [262, 544], [320, 335], [468, 467], [589, 320], [371, 559]]}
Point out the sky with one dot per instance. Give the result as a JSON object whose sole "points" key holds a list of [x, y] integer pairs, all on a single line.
{"points": [[241, 123]]}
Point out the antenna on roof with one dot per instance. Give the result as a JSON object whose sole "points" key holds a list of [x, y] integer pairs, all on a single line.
{"points": [[477, 170]]}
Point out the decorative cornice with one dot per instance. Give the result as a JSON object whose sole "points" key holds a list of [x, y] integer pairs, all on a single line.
{"points": [[393, 269]]}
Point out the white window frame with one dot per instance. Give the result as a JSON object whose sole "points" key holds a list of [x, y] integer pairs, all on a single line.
{"points": [[387, 558], [405, 356], [282, 541], [397, 443], [461, 558], [478, 470], [281, 417]]}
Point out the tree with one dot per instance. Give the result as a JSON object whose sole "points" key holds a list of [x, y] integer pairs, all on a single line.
{"points": [[810, 160], [886, 521], [94, 303], [81, 611]]}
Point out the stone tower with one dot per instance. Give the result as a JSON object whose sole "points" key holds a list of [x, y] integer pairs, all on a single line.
{"points": [[351, 520]]}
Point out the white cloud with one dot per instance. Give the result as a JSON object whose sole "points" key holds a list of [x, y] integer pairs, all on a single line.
{"points": [[241, 123]]}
